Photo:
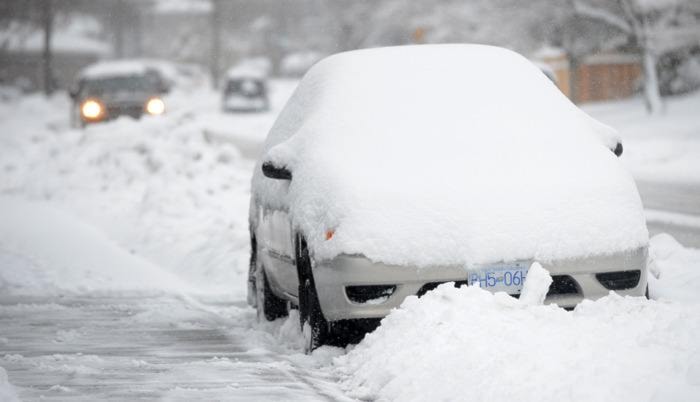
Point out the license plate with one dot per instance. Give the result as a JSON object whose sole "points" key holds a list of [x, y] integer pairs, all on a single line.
{"points": [[509, 277]]}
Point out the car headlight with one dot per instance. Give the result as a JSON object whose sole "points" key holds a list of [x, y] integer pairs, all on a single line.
{"points": [[155, 106], [91, 109]]}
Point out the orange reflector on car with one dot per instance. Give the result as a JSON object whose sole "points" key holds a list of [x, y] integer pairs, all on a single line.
{"points": [[329, 234]]}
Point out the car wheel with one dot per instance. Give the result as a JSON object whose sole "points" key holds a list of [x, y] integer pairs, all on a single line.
{"points": [[269, 306], [252, 268], [315, 328]]}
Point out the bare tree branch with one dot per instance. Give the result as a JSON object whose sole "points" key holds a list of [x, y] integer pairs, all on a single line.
{"points": [[602, 15]]}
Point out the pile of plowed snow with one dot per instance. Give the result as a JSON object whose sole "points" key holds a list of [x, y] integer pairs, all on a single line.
{"points": [[468, 344], [45, 249], [173, 190]]}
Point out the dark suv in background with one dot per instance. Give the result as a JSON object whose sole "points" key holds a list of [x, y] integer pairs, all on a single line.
{"points": [[107, 90]]}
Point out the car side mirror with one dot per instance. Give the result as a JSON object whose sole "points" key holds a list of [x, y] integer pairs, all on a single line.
{"points": [[73, 93], [618, 149], [272, 171]]}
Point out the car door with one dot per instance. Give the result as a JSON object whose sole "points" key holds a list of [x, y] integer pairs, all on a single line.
{"points": [[275, 242]]}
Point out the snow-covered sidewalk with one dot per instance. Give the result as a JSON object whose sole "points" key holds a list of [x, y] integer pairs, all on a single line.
{"points": [[150, 346]]}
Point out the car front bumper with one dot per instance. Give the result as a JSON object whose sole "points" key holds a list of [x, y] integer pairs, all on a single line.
{"points": [[333, 277], [241, 103], [113, 112]]}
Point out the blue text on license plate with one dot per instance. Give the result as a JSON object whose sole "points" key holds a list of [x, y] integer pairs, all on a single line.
{"points": [[500, 278]]}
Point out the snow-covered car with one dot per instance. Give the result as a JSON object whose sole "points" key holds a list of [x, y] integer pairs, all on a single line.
{"points": [[393, 170], [245, 90], [108, 90]]}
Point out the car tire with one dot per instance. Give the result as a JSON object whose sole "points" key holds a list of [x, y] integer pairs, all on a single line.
{"points": [[314, 327], [269, 306], [251, 295]]}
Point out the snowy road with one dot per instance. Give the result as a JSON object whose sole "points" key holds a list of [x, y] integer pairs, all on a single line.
{"points": [[679, 204], [157, 347]]}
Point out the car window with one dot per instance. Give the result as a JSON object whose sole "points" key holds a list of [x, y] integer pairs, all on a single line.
{"points": [[245, 86], [121, 83]]}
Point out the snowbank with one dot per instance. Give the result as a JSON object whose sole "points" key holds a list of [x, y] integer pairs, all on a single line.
{"points": [[536, 286], [677, 269], [161, 188], [173, 191], [45, 249], [470, 345], [420, 155]]}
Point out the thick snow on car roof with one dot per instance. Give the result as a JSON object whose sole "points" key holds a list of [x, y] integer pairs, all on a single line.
{"points": [[447, 154], [246, 71], [106, 69]]}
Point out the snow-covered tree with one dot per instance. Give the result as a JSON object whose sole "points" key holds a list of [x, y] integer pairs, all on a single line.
{"points": [[653, 26], [498, 22]]}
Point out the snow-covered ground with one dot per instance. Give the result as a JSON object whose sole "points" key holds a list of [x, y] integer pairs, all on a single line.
{"points": [[172, 190], [124, 251], [662, 147], [663, 153]]}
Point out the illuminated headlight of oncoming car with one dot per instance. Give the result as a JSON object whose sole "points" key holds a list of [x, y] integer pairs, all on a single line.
{"points": [[155, 106], [92, 110]]}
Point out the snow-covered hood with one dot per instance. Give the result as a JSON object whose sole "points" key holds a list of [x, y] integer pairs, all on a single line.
{"points": [[448, 154]]}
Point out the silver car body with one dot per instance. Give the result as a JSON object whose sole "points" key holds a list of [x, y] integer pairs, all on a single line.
{"points": [[275, 241]]}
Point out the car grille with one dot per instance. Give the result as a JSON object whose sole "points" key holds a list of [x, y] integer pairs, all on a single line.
{"points": [[134, 111], [432, 285], [363, 294], [619, 280], [563, 285]]}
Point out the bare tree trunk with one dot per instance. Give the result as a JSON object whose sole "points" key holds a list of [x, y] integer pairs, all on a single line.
{"points": [[138, 35], [47, 21], [641, 32], [573, 78], [215, 42], [651, 77], [118, 20], [652, 95]]}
